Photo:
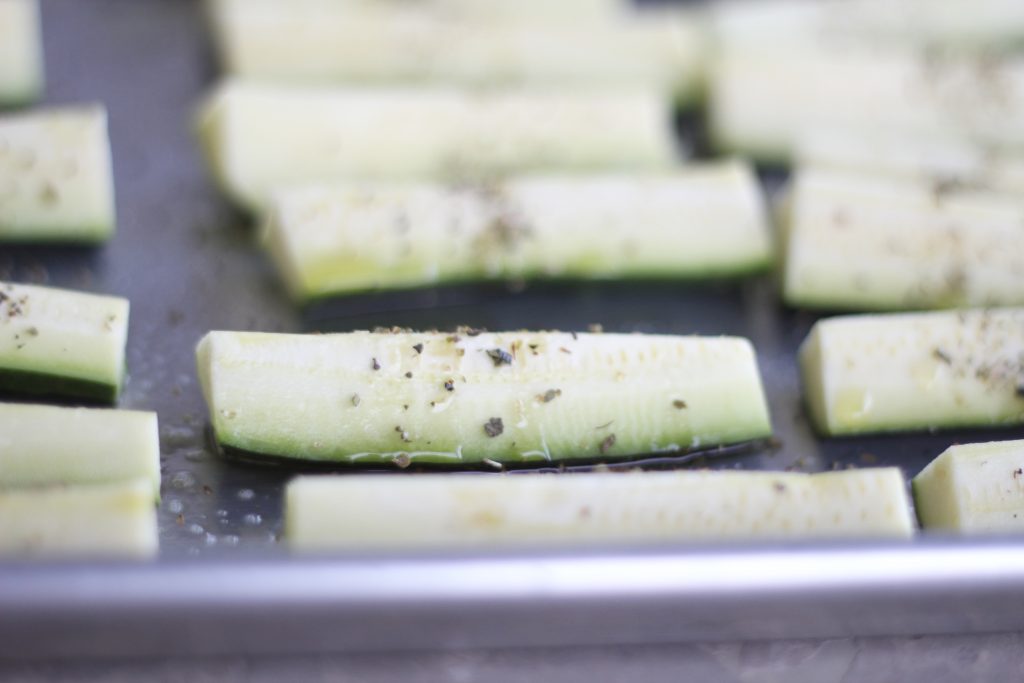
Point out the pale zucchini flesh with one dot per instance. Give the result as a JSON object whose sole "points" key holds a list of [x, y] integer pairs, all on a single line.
{"points": [[904, 372], [858, 241], [259, 139], [56, 181], [21, 52], [464, 399], [97, 521], [48, 445], [402, 513], [328, 42], [698, 222], [941, 161], [61, 343], [761, 104], [973, 489]]}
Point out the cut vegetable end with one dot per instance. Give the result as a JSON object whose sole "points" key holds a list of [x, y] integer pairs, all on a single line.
{"points": [[461, 399], [973, 489], [21, 383], [88, 521], [438, 511]]}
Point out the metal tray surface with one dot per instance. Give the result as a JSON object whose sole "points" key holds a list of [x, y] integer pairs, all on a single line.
{"points": [[189, 264]]}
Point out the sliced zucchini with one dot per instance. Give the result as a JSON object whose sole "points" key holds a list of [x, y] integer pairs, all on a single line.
{"points": [[56, 183], [943, 162], [466, 398], [60, 342], [45, 445], [21, 52], [915, 371], [964, 25], [492, 11], [863, 242], [973, 489], [427, 511], [699, 221], [116, 520], [262, 138], [761, 104], [330, 41]]}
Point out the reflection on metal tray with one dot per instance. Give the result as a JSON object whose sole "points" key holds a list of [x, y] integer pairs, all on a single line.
{"points": [[189, 264]]}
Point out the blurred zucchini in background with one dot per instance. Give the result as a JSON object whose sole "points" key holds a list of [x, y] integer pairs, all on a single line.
{"points": [[56, 180], [468, 398], [699, 221], [21, 53], [62, 343], [261, 138], [329, 41], [393, 513], [862, 241], [915, 371]]}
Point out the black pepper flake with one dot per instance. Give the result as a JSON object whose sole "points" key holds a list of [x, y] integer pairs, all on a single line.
{"points": [[207, 491], [32, 332], [356, 400], [500, 357], [574, 337], [403, 434], [779, 487], [374, 364], [405, 406], [1017, 473], [418, 348], [679, 404], [607, 444], [408, 375], [941, 355], [449, 385], [494, 427], [550, 395]]}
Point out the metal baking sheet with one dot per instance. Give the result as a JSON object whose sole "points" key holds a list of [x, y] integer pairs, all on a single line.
{"points": [[189, 264]]}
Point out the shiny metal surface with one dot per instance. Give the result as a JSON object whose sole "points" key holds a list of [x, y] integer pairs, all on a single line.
{"points": [[223, 584]]}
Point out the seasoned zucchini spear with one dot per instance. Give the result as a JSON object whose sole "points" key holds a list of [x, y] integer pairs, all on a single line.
{"points": [[261, 138], [860, 241], [883, 373], [328, 41], [63, 343], [458, 510], [700, 221], [56, 183], [468, 398]]}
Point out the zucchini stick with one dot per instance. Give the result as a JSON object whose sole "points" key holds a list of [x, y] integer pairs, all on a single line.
{"points": [[915, 371], [261, 138], [60, 342], [56, 183], [469, 398], [699, 221], [46, 445], [761, 104], [492, 11], [327, 41], [458, 510], [116, 520], [943, 162], [973, 489], [21, 52], [958, 25], [857, 241]]}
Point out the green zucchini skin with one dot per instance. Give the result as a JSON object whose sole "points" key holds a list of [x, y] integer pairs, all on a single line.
{"points": [[915, 371], [703, 221], [62, 343], [463, 400]]}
